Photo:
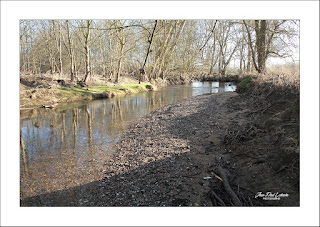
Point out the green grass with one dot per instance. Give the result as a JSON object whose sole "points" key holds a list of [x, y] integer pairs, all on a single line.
{"points": [[245, 81], [73, 93], [62, 95], [76, 92]]}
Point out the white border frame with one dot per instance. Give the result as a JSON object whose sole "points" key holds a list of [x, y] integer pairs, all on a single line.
{"points": [[306, 214]]}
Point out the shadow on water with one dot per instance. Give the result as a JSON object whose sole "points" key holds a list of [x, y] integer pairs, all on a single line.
{"points": [[63, 162]]}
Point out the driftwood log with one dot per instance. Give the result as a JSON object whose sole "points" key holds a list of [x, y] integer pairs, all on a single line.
{"points": [[234, 198]]}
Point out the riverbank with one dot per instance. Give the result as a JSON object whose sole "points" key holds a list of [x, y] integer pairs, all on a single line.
{"points": [[173, 156], [42, 91], [52, 91]]}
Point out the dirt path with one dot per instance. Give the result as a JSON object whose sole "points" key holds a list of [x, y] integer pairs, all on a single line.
{"points": [[171, 157]]}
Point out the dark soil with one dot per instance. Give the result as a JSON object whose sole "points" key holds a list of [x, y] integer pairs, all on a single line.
{"points": [[171, 156]]}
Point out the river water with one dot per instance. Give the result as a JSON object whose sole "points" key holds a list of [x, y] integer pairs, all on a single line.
{"points": [[69, 147]]}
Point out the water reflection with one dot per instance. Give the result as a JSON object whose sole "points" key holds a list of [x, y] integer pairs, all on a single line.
{"points": [[68, 148], [211, 87]]}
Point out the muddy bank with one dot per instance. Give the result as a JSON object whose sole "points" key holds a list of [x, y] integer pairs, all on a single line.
{"points": [[171, 157], [52, 91], [267, 148]]}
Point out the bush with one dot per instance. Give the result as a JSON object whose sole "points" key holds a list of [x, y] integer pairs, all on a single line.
{"points": [[245, 83]]}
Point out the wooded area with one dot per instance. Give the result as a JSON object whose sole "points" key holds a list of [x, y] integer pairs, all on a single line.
{"points": [[81, 49]]}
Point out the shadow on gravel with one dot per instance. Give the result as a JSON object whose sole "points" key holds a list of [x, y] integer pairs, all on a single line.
{"points": [[160, 183]]}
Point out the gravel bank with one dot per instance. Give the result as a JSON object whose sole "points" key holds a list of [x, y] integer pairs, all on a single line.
{"points": [[165, 158]]}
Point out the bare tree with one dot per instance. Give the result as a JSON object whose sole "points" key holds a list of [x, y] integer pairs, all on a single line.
{"points": [[163, 48], [260, 29], [117, 47], [141, 71], [70, 49], [267, 35], [228, 44], [87, 52], [59, 47], [122, 41], [166, 58]]}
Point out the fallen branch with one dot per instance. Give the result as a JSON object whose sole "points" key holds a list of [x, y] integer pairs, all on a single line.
{"points": [[236, 201], [216, 176]]}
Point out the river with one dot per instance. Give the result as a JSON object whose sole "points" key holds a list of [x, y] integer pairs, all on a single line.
{"points": [[69, 147]]}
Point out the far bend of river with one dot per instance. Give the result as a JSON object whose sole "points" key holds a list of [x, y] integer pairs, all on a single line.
{"points": [[68, 148]]}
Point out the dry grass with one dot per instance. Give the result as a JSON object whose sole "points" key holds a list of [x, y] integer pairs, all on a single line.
{"points": [[287, 75], [284, 79]]}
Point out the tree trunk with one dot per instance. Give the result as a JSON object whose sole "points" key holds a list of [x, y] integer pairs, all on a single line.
{"points": [[260, 28], [122, 41], [219, 65], [251, 46], [241, 59], [102, 58], [58, 44], [60, 49], [163, 54], [260, 48], [141, 71], [248, 62], [214, 60], [72, 64], [162, 49], [87, 52], [119, 64], [171, 50]]}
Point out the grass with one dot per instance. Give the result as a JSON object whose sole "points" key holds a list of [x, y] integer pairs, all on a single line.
{"points": [[283, 77], [277, 92], [74, 93], [116, 90], [245, 81], [122, 89]]}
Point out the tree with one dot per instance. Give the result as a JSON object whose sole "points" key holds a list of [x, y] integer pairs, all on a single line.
{"points": [[267, 35], [163, 49], [58, 39], [228, 43], [70, 49], [87, 51], [115, 47], [122, 41], [166, 58], [141, 71], [260, 28]]}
